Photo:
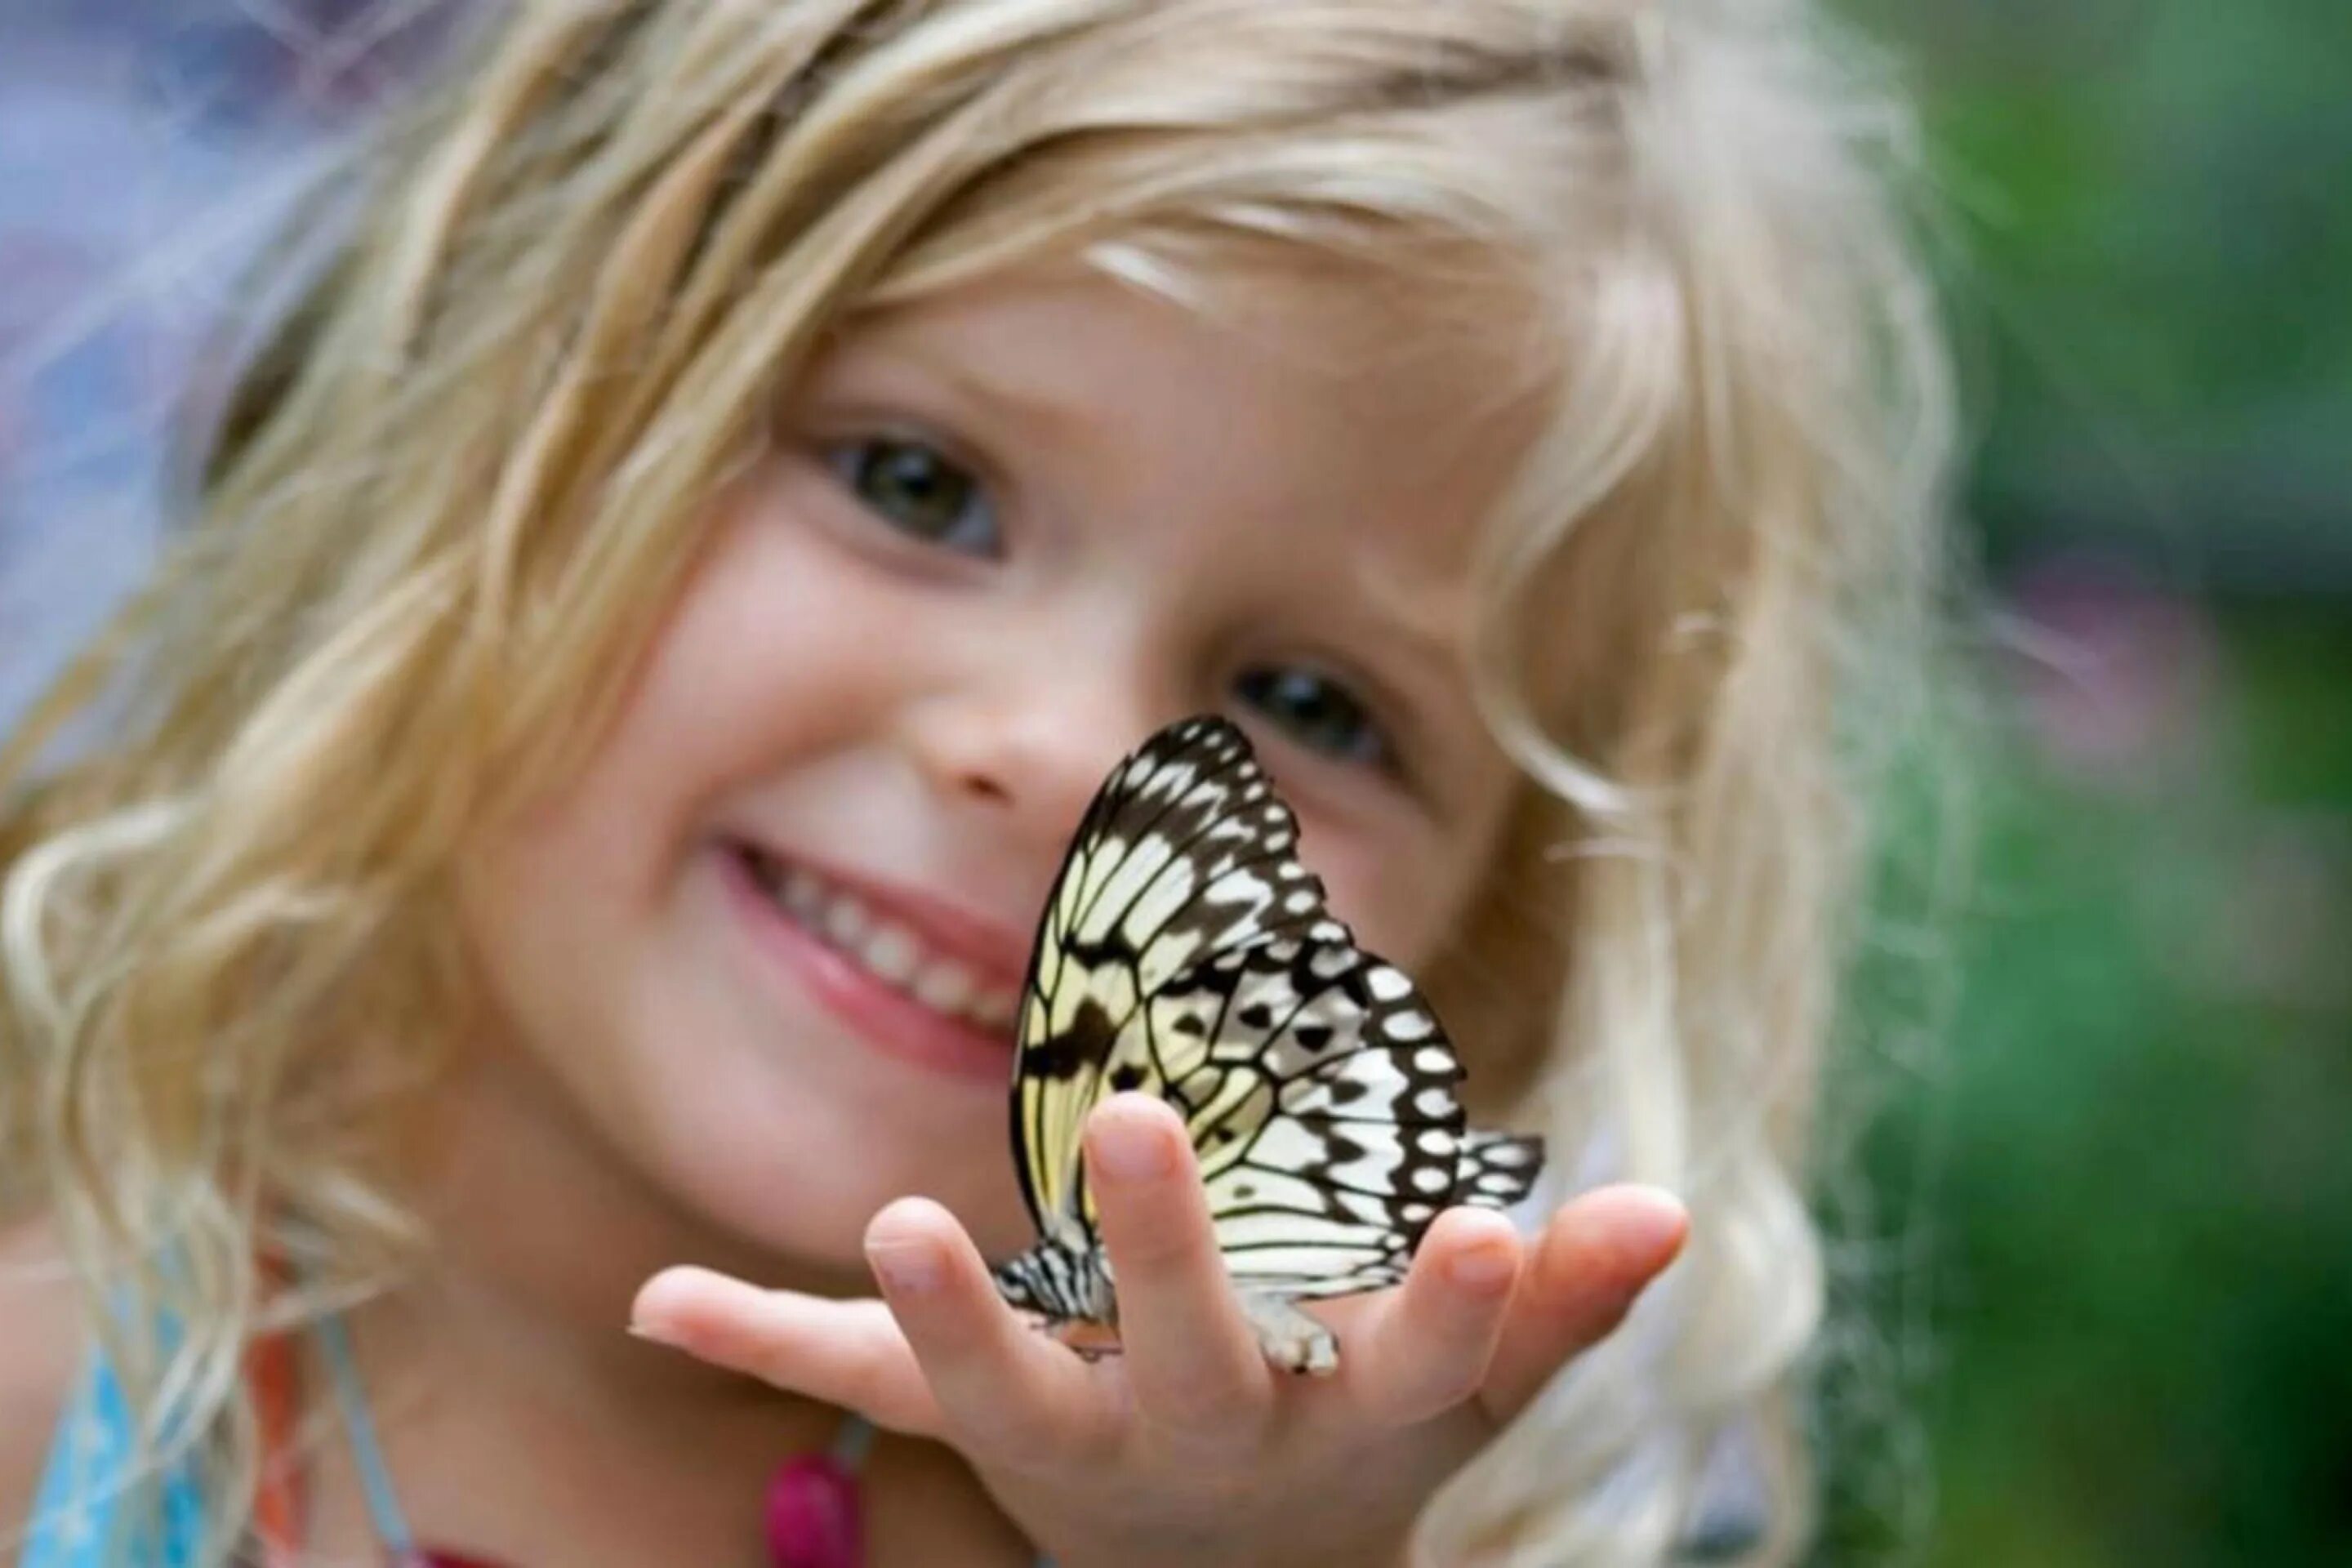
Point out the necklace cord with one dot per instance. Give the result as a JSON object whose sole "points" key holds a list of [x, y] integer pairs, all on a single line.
{"points": [[367, 1453]]}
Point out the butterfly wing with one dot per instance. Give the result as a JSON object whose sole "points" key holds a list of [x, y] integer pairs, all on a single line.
{"points": [[1322, 1176], [1498, 1169], [1186, 852], [1325, 1115]]}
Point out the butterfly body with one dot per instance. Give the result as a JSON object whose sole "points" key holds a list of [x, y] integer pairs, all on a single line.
{"points": [[1186, 952]]}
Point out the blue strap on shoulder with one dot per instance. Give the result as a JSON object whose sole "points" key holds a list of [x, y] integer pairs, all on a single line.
{"points": [[80, 1518]]}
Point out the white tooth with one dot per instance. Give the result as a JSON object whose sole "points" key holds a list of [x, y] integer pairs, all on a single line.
{"points": [[944, 986], [890, 953], [845, 919], [995, 1009], [803, 894]]}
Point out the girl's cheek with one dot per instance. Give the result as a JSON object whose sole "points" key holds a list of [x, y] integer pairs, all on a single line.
{"points": [[1387, 886]]}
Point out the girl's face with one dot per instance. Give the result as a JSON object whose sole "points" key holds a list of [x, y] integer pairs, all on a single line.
{"points": [[765, 945]]}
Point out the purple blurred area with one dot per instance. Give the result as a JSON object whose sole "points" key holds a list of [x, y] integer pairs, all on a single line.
{"points": [[146, 149]]}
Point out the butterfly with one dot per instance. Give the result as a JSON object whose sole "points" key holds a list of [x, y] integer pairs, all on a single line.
{"points": [[1187, 953]]}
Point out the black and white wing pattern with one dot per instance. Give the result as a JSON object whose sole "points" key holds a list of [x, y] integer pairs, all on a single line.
{"points": [[1185, 952]]}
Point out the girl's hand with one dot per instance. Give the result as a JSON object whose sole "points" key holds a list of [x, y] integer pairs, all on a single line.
{"points": [[1187, 1448]]}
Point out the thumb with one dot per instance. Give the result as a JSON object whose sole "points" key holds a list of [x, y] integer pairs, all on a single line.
{"points": [[1595, 1258]]}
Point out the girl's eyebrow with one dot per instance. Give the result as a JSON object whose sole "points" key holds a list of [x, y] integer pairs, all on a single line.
{"points": [[967, 382], [1433, 661], [1418, 628]]}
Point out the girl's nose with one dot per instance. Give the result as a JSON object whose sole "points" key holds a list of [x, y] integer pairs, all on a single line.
{"points": [[1033, 764]]}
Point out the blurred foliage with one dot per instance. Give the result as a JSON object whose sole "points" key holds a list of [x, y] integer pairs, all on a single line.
{"points": [[2128, 1180], [2149, 209], [2100, 1292]]}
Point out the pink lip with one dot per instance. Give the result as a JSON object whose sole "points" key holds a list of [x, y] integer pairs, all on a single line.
{"points": [[896, 1026]]}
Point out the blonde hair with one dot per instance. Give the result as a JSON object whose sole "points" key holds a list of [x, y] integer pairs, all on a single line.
{"points": [[447, 506]]}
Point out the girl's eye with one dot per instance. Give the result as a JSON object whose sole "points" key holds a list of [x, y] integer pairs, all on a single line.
{"points": [[1317, 712], [918, 491]]}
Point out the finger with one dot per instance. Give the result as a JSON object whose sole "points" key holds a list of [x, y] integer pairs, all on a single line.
{"points": [[1595, 1258], [846, 1354], [999, 1384], [1192, 1358], [1426, 1344]]}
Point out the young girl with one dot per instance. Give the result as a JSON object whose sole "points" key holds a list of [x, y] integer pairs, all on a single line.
{"points": [[801, 445]]}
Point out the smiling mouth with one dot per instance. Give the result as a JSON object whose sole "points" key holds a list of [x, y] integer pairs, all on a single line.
{"points": [[892, 954]]}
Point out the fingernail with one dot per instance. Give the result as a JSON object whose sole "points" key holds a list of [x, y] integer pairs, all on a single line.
{"points": [[650, 1315], [1658, 1221], [1481, 1267], [1127, 1148], [909, 1267]]}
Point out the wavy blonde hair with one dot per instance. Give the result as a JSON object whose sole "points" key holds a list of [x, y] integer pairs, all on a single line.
{"points": [[450, 498]]}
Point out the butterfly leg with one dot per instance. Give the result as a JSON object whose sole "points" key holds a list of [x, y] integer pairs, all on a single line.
{"points": [[1291, 1340]]}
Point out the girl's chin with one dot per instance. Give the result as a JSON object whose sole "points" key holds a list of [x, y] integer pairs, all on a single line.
{"points": [[824, 1254], [805, 1198]]}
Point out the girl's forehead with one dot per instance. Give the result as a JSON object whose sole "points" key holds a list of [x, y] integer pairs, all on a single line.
{"points": [[1332, 373], [1299, 315]]}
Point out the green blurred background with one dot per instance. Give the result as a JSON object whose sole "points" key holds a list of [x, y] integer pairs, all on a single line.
{"points": [[2107, 1252], [2091, 1181]]}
